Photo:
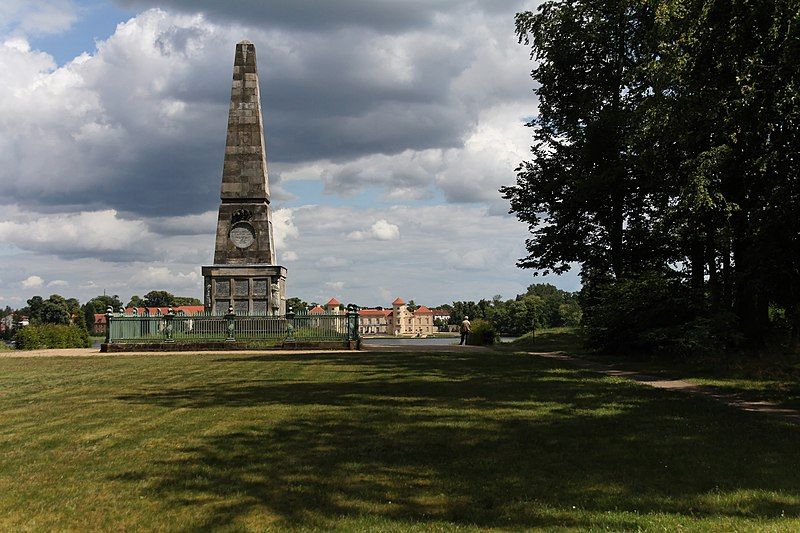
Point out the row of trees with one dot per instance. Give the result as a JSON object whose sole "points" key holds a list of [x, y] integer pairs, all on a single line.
{"points": [[665, 165], [299, 305], [541, 306], [59, 310]]}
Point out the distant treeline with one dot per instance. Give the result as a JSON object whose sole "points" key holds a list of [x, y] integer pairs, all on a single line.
{"points": [[541, 306], [57, 310]]}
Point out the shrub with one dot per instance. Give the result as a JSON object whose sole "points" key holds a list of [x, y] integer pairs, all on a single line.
{"points": [[654, 314], [570, 314], [483, 333], [51, 336]]}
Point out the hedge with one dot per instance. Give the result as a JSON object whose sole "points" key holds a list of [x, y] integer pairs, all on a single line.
{"points": [[483, 333], [51, 336]]}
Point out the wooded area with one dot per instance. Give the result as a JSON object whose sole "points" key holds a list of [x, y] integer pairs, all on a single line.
{"points": [[665, 166]]}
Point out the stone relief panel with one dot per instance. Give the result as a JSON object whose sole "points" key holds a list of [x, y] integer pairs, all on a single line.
{"points": [[259, 307], [260, 287], [223, 288], [241, 307], [221, 307], [241, 287]]}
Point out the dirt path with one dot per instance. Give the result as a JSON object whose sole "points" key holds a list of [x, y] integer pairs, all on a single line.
{"points": [[770, 408]]}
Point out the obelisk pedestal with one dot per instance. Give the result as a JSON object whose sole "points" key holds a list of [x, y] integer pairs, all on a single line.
{"points": [[244, 274]]}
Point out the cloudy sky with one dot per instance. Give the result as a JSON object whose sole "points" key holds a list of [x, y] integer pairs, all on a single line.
{"points": [[389, 127]]}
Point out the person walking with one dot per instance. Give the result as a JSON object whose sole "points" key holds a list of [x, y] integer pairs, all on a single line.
{"points": [[465, 330]]}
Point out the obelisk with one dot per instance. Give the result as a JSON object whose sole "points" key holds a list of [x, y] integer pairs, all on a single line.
{"points": [[244, 274]]}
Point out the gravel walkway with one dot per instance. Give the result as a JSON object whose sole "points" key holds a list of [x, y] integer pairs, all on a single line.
{"points": [[95, 352]]}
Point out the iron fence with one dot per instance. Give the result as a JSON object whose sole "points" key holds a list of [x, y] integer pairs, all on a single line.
{"points": [[203, 328]]}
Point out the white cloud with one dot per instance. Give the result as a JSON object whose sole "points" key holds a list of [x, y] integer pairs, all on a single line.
{"points": [[88, 233], [333, 262], [36, 17], [448, 252], [283, 227], [335, 285], [380, 230], [472, 172], [32, 282], [57, 283], [156, 277], [385, 294], [384, 231], [491, 152], [203, 223], [470, 259], [288, 256]]}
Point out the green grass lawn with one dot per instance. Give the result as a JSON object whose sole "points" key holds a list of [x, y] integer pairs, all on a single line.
{"points": [[773, 377], [389, 441], [562, 339]]}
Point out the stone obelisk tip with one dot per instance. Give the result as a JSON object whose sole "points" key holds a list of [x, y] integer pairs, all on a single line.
{"points": [[245, 56], [244, 172]]}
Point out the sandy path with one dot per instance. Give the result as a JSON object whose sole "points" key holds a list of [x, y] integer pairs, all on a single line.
{"points": [[95, 352]]}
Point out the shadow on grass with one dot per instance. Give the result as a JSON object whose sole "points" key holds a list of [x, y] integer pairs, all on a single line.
{"points": [[493, 441], [555, 340]]}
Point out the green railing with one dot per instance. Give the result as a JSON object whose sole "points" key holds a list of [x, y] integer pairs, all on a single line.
{"points": [[203, 328]]}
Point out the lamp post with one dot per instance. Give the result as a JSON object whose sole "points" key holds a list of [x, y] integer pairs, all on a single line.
{"points": [[109, 314], [230, 318], [168, 327]]}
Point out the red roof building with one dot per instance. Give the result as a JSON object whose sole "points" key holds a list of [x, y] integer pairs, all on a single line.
{"points": [[158, 311], [397, 321], [99, 324]]}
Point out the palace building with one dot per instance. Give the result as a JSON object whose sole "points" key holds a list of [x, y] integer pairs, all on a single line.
{"points": [[399, 320]]}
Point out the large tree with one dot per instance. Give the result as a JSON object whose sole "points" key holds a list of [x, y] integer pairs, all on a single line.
{"points": [[54, 310], [727, 97], [579, 193], [666, 147], [103, 302], [159, 299]]}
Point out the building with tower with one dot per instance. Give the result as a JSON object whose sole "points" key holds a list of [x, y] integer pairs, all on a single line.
{"points": [[398, 320]]}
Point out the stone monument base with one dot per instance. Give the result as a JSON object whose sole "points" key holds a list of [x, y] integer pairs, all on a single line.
{"points": [[249, 289]]}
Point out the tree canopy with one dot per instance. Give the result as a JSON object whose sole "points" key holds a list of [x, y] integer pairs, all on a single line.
{"points": [[665, 160]]}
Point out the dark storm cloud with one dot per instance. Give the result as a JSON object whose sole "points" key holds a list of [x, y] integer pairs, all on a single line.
{"points": [[141, 126], [384, 15]]}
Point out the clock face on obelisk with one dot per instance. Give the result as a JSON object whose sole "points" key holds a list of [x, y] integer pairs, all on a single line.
{"points": [[242, 235]]}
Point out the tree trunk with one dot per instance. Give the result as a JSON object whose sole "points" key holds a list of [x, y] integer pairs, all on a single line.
{"points": [[750, 304], [793, 315], [698, 260], [727, 277], [713, 274]]}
